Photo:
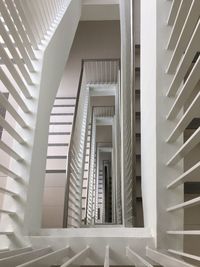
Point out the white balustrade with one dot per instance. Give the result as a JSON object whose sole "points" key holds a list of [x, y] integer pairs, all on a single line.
{"points": [[184, 68]]}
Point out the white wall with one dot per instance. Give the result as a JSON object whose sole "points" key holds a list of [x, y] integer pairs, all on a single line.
{"points": [[148, 112], [137, 20], [104, 134], [155, 128], [100, 12], [102, 101], [94, 39]]}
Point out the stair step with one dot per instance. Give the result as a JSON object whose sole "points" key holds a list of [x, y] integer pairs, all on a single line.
{"points": [[55, 171], [137, 46], [62, 114], [66, 97], [60, 123], [137, 70], [64, 106], [57, 157], [59, 133], [58, 144]]}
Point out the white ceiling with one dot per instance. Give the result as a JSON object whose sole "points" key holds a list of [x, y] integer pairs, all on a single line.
{"points": [[100, 10]]}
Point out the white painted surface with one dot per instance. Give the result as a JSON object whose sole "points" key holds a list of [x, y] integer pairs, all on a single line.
{"points": [[100, 12], [148, 112], [137, 20], [116, 238], [88, 48], [50, 80]]}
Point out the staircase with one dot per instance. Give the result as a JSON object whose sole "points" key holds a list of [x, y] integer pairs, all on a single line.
{"points": [[31, 69], [86, 175], [139, 207], [60, 128]]}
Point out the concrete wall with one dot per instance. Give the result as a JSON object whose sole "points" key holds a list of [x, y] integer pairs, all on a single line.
{"points": [[155, 128], [104, 134], [136, 13], [94, 39], [102, 101], [148, 108]]}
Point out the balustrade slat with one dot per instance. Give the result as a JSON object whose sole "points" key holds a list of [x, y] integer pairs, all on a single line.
{"points": [[173, 12], [31, 21], [8, 192], [136, 259], [11, 130], [47, 23], [191, 113], [14, 53], [179, 23], [192, 48], [14, 252], [18, 260], [40, 16], [187, 204], [10, 87], [186, 90], [185, 36], [10, 173], [8, 63], [184, 232], [33, 39], [191, 173], [185, 148], [9, 212], [79, 256], [166, 260], [21, 30], [32, 12], [185, 255], [48, 259], [50, 17], [12, 153], [6, 104], [13, 31]]}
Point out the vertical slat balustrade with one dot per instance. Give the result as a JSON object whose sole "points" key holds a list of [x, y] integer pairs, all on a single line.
{"points": [[91, 184], [102, 71], [98, 112], [15, 35], [18, 22], [95, 72], [184, 41], [27, 26], [23, 27], [75, 163]]}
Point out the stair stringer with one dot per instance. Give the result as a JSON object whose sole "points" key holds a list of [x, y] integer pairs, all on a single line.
{"points": [[54, 60]]}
